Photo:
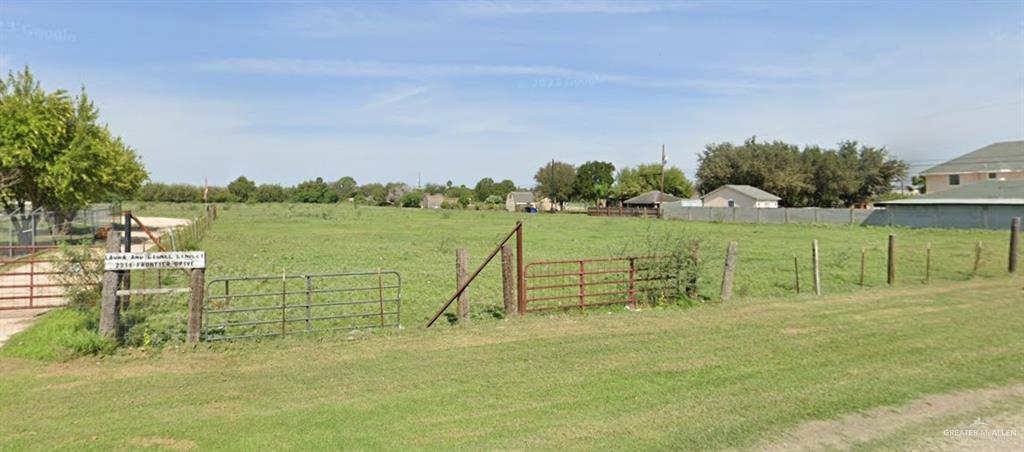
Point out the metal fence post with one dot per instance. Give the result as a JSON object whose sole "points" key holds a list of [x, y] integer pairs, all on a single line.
{"points": [[520, 273], [461, 276], [1014, 244], [309, 302], [582, 285]]}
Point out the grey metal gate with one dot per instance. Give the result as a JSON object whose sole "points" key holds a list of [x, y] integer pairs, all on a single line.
{"points": [[244, 307]]}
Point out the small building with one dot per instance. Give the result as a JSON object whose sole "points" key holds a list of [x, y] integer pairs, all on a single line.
{"points": [[741, 196], [652, 199], [983, 205], [1002, 161], [433, 201], [518, 201]]}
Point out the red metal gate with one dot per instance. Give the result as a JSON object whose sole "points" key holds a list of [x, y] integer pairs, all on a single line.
{"points": [[580, 283], [30, 277]]}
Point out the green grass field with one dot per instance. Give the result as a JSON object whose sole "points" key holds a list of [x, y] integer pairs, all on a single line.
{"points": [[717, 376], [740, 374], [420, 244]]}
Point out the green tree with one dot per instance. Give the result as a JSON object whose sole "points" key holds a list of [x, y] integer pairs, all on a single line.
{"points": [[484, 188], [346, 187], [242, 188], [411, 199], [270, 193], [503, 188], [631, 182], [55, 154], [554, 180], [593, 180], [314, 191]]}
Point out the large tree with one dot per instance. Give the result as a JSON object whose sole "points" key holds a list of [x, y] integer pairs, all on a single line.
{"points": [[814, 176], [647, 177], [593, 181], [56, 155], [242, 188], [554, 181]]}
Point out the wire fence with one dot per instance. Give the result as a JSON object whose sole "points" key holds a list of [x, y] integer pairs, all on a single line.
{"points": [[40, 227]]}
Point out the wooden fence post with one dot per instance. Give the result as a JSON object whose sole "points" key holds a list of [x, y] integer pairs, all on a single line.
{"points": [[928, 263], [891, 268], [110, 310], [977, 259], [729, 272], [796, 271], [507, 283], [863, 260], [195, 305], [1014, 244], [816, 263], [461, 275]]}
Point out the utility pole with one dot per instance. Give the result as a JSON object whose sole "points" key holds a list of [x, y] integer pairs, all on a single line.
{"points": [[663, 167]]}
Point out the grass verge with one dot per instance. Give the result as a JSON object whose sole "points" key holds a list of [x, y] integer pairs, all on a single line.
{"points": [[58, 335]]}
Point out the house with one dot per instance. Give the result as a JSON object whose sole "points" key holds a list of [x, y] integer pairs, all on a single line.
{"points": [[693, 201], [985, 205], [433, 201], [652, 199], [518, 201], [1002, 161], [740, 196]]}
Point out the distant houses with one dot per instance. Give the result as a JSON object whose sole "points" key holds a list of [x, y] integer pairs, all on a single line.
{"points": [[521, 201], [740, 196], [988, 204], [652, 200], [1002, 161]]}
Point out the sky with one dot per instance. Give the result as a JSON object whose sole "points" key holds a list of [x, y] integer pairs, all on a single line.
{"points": [[459, 90]]}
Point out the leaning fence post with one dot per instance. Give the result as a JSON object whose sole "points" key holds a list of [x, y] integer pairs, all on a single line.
{"points": [[461, 275], [109, 308], [195, 305], [890, 277], [816, 262], [507, 283], [729, 271], [1014, 243]]}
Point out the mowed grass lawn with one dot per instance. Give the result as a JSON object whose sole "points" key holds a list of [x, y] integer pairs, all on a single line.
{"points": [[716, 376], [251, 240]]}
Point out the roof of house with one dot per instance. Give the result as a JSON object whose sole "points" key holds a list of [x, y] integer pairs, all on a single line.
{"points": [[521, 197], [753, 192], [652, 197], [1007, 155], [988, 192]]}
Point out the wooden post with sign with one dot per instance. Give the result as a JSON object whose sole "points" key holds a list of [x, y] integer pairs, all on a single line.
{"points": [[116, 263]]}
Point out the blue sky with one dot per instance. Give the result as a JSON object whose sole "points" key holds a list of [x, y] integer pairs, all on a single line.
{"points": [[382, 91]]}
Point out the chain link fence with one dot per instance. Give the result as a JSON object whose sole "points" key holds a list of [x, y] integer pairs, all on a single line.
{"points": [[43, 228]]}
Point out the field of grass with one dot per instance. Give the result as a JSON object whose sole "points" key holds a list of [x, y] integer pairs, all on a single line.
{"points": [[730, 375], [420, 244]]}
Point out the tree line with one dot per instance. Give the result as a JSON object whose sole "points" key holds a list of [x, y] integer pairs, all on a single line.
{"points": [[848, 175]]}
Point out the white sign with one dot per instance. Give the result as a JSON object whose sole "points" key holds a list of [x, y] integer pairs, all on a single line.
{"points": [[153, 261]]}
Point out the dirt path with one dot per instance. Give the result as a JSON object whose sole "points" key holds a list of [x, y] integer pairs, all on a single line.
{"points": [[13, 321], [936, 422]]}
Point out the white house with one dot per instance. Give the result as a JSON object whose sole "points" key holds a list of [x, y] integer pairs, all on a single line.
{"points": [[740, 196]]}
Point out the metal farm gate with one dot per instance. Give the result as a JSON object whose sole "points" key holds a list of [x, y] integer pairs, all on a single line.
{"points": [[581, 283], [245, 307], [31, 277]]}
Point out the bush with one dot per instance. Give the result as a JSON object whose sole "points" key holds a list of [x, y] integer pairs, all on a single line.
{"points": [[672, 277], [411, 199]]}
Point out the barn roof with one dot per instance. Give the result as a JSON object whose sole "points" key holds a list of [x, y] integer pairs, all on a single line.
{"points": [[652, 197], [1006, 155], [522, 197], [753, 192]]}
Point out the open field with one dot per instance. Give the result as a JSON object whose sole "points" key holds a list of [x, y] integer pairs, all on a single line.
{"points": [[755, 373], [420, 244]]}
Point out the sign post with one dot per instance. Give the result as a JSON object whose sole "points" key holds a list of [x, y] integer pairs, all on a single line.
{"points": [[124, 262]]}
